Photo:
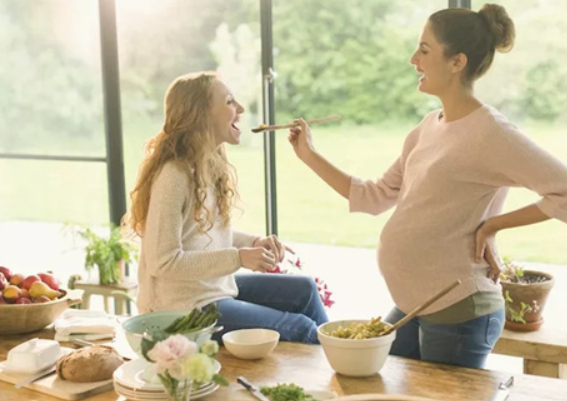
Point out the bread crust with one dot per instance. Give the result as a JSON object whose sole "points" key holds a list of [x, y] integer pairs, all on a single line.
{"points": [[89, 364]]}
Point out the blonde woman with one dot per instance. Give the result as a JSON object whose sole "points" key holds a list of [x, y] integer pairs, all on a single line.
{"points": [[181, 208], [448, 187]]}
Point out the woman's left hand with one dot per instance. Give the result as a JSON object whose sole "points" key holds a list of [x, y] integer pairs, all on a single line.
{"points": [[273, 243], [486, 248]]}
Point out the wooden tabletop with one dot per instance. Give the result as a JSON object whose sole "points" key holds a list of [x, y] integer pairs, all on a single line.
{"points": [[307, 366]]}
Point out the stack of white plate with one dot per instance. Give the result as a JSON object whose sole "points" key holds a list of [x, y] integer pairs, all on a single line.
{"points": [[136, 381]]}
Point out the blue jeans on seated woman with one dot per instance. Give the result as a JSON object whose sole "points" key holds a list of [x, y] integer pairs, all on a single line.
{"points": [[464, 344], [289, 304]]}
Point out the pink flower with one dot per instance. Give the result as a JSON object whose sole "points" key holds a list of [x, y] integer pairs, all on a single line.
{"points": [[170, 353], [322, 287], [276, 270]]}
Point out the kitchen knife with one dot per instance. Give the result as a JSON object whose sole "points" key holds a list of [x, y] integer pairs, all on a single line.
{"points": [[503, 390], [35, 377], [250, 387]]}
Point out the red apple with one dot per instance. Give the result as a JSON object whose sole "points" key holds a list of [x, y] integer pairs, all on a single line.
{"points": [[23, 301], [6, 272], [29, 280], [3, 281], [2, 300], [17, 279], [50, 280]]}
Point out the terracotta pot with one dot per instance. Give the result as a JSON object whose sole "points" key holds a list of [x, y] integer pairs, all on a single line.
{"points": [[527, 293], [519, 326]]}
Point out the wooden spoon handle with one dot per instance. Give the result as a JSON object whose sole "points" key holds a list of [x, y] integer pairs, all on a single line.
{"points": [[421, 307], [283, 126]]}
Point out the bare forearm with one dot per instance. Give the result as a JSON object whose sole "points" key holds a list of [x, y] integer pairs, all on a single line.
{"points": [[334, 177], [521, 217]]}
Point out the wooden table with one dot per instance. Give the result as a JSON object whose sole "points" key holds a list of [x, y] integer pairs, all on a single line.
{"points": [[544, 351], [306, 366]]}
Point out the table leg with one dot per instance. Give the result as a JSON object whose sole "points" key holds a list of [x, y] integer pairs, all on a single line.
{"points": [[119, 306], [546, 369], [107, 305], [86, 300]]}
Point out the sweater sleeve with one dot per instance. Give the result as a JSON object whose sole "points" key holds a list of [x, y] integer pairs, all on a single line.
{"points": [[375, 197], [163, 251], [523, 163], [242, 240]]}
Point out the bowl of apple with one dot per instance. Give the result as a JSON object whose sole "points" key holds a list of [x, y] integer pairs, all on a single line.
{"points": [[30, 303]]}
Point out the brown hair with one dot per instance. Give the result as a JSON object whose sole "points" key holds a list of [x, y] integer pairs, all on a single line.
{"points": [[187, 140], [475, 34]]}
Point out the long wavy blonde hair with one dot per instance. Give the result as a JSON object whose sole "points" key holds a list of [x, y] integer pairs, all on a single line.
{"points": [[187, 139]]}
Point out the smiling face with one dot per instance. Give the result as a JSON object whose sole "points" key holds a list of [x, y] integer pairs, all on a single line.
{"points": [[438, 72], [225, 114]]}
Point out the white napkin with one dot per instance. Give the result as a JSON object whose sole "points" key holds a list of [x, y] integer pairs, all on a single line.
{"points": [[84, 324]]}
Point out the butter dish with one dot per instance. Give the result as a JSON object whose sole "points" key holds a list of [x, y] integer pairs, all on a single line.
{"points": [[33, 356]]}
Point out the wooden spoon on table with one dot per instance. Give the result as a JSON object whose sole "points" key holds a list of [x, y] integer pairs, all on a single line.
{"points": [[421, 307]]}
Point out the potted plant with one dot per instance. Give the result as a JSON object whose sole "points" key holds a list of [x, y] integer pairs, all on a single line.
{"points": [[525, 294], [109, 254]]}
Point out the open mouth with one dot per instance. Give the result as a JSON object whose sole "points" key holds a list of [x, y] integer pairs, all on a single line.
{"points": [[233, 125]]}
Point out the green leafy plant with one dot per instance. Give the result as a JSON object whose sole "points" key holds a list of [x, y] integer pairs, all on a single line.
{"points": [[107, 253], [513, 271], [519, 316]]}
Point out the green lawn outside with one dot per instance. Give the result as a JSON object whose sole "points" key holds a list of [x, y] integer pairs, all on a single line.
{"points": [[308, 210]]}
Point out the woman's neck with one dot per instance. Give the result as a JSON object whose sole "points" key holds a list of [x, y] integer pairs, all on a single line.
{"points": [[459, 104]]}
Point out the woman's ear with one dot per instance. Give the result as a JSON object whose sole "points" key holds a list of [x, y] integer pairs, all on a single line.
{"points": [[459, 63]]}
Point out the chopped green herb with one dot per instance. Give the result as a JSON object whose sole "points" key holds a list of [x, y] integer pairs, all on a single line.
{"points": [[286, 392]]}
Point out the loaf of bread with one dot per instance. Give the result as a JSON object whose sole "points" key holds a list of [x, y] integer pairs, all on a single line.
{"points": [[89, 364]]}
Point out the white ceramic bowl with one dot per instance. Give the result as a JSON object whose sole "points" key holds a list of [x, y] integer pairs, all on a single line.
{"points": [[251, 343], [357, 358]]}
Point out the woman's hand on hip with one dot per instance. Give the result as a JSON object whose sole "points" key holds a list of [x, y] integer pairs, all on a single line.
{"points": [[486, 249], [301, 139], [273, 244], [257, 259]]}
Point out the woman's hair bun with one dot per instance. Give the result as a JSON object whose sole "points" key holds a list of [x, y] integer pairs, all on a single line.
{"points": [[501, 26]]}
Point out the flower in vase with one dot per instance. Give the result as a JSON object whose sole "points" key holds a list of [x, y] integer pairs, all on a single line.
{"points": [[170, 355], [180, 363], [210, 348], [199, 368]]}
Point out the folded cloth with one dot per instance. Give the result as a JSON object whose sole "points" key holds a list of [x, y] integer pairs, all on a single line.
{"points": [[84, 324]]}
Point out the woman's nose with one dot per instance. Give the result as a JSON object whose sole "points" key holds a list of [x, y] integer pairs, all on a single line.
{"points": [[413, 59], [240, 108]]}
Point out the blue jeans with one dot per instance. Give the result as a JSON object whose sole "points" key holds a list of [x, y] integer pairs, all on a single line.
{"points": [[286, 303], [465, 344]]}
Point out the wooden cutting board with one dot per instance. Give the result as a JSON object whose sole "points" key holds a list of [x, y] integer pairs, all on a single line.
{"points": [[56, 387]]}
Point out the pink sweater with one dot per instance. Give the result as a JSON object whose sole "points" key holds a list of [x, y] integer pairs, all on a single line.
{"points": [[450, 178]]}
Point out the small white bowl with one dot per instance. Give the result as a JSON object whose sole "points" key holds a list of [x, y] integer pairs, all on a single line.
{"points": [[358, 358], [251, 343]]}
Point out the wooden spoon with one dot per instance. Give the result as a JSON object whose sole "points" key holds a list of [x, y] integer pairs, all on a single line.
{"points": [[421, 307], [263, 128]]}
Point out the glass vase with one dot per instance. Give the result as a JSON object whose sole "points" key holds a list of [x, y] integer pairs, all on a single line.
{"points": [[183, 392]]}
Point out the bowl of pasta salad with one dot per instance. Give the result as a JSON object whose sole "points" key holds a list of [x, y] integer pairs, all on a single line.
{"points": [[356, 347]]}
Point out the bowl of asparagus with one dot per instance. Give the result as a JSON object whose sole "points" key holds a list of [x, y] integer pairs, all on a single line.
{"points": [[197, 325]]}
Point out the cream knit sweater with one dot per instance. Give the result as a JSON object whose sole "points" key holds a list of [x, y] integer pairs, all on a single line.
{"points": [[181, 268], [450, 178]]}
